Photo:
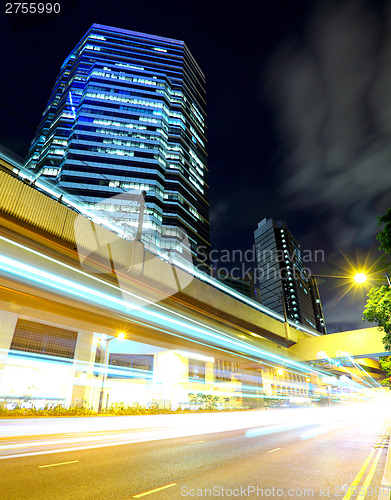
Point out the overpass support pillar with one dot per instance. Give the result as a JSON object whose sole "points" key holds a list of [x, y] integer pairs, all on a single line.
{"points": [[84, 380], [290, 334]]}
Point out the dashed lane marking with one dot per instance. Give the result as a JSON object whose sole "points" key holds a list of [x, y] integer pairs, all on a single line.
{"points": [[154, 491], [55, 465]]}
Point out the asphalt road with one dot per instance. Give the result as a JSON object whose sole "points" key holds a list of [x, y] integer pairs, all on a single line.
{"points": [[280, 460]]}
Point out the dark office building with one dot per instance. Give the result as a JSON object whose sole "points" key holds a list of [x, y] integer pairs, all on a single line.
{"points": [[245, 286], [127, 114], [284, 283]]}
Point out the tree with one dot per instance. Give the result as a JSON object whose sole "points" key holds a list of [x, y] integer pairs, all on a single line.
{"points": [[378, 306], [378, 310], [385, 365], [385, 236]]}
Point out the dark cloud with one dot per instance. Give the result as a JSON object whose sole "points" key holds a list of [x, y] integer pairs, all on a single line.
{"points": [[331, 93], [344, 316], [218, 212]]}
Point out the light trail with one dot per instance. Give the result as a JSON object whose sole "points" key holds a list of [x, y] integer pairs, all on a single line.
{"points": [[363, 369], [191, 270], [200, 333], [263, 431], [31, 360], [323, 429], [92, 432], [61, 284], [105, 283], [53, 281]]}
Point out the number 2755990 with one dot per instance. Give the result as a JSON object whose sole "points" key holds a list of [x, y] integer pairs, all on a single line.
{"points": [[32, 8]]}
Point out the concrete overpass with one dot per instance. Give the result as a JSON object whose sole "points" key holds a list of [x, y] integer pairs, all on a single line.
{"points": [[37, 233], [36, 222], [362, 343]]}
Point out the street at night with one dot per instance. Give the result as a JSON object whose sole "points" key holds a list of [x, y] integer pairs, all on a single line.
{"points": [[195, 249], [318, 459]]}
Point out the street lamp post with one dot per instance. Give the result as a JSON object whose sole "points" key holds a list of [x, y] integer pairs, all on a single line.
{"points": [[121, 336]]}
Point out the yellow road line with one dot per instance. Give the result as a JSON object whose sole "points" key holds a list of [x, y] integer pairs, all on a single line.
{"points": [[357, 479], [54, 465], [353, 487], [371, 472], [275, 449], [153, 491]]}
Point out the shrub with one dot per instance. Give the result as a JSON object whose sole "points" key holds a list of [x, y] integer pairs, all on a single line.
{"points": [[200, 402]]}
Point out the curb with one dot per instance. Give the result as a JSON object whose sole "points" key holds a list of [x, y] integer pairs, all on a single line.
{"points": [[385, 491]]}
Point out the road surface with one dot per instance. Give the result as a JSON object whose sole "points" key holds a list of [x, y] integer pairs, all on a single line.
{"points": [[290, 454]]}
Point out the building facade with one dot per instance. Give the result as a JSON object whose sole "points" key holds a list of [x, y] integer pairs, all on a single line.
{"points": [[285, 284], [245, 286], [127, 114]]}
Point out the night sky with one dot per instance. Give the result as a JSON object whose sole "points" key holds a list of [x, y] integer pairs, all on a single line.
{"points": [[299, 114]]}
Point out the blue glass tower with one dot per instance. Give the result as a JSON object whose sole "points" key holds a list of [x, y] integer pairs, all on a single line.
{"points": [[127, 113]]}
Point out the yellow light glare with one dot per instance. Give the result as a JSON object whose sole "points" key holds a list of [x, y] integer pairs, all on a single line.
{"points": [[360, 278], [121, 336], [280, 371]]}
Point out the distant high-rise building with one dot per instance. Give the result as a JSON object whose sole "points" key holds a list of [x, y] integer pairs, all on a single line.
{"points": [[127, 113], [284, 281], [245, 285]]}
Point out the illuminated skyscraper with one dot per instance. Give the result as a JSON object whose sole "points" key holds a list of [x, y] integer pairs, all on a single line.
{"points": [[284, 281], [127, 113]]}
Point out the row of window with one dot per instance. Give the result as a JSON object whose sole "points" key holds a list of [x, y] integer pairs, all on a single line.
{"points": [[110, 97], [122, 76]]}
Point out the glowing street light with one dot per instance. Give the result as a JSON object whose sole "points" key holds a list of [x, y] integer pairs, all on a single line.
{"points": [[360, 278], [280, 371]]}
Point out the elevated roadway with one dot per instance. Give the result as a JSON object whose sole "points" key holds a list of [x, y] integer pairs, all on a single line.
{"points": [[38, 232], [59, 266]]}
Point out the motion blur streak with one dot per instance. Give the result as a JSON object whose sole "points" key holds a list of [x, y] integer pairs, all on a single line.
{"points": [[28, 272], [322, 429], [262, 431], [323, 420], [88, 433]]}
